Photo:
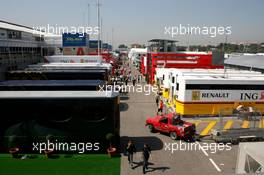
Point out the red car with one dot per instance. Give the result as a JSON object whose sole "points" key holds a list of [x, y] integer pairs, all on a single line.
{"points": [[172, 125]]}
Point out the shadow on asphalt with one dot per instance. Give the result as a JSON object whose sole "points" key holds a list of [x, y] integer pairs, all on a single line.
{"points": [[162, 169], [123, 107], [154, 142], [151, 168]]}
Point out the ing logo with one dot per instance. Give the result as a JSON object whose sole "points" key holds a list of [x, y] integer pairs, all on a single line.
{"points": [[196, 95]]}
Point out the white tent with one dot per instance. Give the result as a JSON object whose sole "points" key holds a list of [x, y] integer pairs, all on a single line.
{"points": [[133, 53]]}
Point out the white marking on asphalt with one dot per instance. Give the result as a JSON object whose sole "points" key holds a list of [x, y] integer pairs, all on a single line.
{"points": [[205, 153], [211, 160], [216, 167]]}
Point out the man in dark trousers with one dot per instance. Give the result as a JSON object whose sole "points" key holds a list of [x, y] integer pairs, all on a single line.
{"points": [[145, 154], [139, 78], [134, 81], [157, 98], [160, 109], [126, 80], [131, 149]]}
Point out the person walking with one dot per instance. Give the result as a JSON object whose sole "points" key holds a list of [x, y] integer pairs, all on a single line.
{"points": [[126, 80], [131, 149], [134, 81], [139, 78], [146, 154], [157, 98], [160, 109]]}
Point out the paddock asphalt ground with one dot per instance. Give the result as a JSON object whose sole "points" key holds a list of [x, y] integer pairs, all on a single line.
{"points": [[136, 108]]}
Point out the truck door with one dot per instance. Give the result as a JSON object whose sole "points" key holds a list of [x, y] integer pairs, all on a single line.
{"points": [[164, 127]]}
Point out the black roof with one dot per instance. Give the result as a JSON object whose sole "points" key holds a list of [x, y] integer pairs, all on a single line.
{"points": [[10, 83]]}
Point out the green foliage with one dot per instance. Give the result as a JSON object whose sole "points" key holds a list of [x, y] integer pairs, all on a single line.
{"points": [[109, 137], [122, 46], [231, 48]]}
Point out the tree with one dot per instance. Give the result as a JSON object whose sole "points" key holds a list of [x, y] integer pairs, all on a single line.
{"points": [[122, 46], [253, 48]]}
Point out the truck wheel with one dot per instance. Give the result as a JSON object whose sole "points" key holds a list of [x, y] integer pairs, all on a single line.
{"points": [[151, 128], [173, 135]]}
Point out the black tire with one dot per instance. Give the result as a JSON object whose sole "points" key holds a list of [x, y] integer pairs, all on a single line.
{"points": [[151, 128], [173, 136]]}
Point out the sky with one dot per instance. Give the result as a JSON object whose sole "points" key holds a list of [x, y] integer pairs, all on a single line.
{"points": [[137, 21]]}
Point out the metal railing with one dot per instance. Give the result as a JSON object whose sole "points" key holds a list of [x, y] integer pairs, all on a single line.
{"points": [[254, 118]]}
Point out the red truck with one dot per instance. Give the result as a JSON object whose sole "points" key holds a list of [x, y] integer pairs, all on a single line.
{"points": [[172, 125]]}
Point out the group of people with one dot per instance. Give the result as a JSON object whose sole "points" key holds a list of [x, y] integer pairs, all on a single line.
{"points": [[245, 112], [146, 152], [126, 76]]}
